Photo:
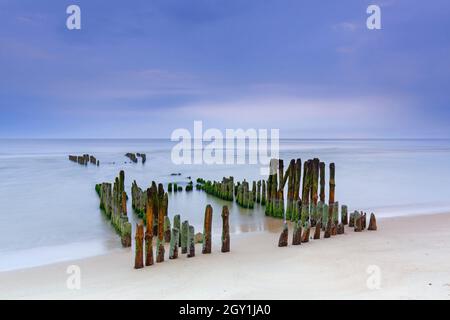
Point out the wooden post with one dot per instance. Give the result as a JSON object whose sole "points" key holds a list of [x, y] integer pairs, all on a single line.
{"points": [[184, 236], [297, 234], [263, 193], [139, 257], [225, 230], [167, 229], [283, 241], [296, 195], [191, 242], [177, 225], [258, 192], [372, 223], [174, 239], [344, 214], [149, 229], [124, 203], [322, 181], [160, 240], [207, 230]]}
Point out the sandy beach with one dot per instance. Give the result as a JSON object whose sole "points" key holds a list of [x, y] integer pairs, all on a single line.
{"points": [[409, 253]]}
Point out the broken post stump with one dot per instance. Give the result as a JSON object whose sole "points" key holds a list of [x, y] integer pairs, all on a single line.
{"points": [[297, 234], [283, 241], [372, 223], [184, 236]]}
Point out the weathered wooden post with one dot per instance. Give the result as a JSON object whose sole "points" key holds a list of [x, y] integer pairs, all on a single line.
{"points": [[167, 229], [191, 252], [124, 203], [358, 222], [332, 185], [317, 230], [225, 230], [174, 239], [207, 230], [184, 236], [283, 241], [372, 223], [149, 217], [344, 214], [306, 232], [296, 195], [139, 257], [160, 240], [315, 188], [263, 193], [177, 225], [297, 234], [306, 192], [258, 192], [290, 175], [322, 181], [280, 191]]}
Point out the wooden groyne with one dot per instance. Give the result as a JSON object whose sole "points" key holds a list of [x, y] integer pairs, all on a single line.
{"points": [[134, 157], [180, 235], [85, 159], [113, 200]]}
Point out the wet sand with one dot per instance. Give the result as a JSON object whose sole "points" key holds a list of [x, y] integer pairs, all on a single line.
{"points": [[410, 255]]}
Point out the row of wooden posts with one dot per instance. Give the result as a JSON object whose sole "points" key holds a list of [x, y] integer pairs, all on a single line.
{"points": [[181, 235], [134, 157], [330, 228], [84, 159], [113, 203]]}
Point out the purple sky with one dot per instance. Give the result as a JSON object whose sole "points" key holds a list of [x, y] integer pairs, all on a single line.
{"points": [[141, 69]]}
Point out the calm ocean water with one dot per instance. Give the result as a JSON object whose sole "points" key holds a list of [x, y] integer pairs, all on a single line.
{"points": [[49, 209]]}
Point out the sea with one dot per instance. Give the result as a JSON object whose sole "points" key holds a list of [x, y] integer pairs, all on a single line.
{"points": [[49, 210]]}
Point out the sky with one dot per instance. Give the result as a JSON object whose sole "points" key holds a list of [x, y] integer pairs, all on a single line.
{"points": [[143, 68]]}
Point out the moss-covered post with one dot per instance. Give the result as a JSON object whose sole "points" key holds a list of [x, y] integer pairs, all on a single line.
{"points": [[207, 226], [269, 196], [297, 234], [167, 229], [139, 255], [184, 236], [174, 239], [191, 252], [344, 214], [283, 241], [149, 215], [263, 193], [160, 240], [322, 181], [296, 195], [317, 230], [314, 192], [280, 194], [306, 192], [177, 225], [124, 203], [258, 192], [290, 194], [121, 182], [225, 230]]}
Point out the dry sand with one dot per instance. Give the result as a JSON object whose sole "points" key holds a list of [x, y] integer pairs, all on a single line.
{"points": [[412, 255]]}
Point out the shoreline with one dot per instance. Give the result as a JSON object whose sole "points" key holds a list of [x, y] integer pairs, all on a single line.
{"points": [[407, 250]]}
